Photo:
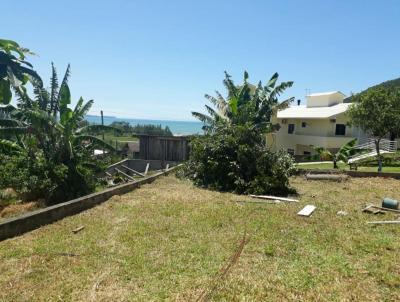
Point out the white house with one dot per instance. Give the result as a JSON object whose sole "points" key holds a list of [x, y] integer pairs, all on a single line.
{"points": [[322, 122]]}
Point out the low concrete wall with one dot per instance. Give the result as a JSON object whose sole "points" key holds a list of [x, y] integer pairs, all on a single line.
{"points": [[350, 173], [140, 165], [373, 174], [33, 220]]}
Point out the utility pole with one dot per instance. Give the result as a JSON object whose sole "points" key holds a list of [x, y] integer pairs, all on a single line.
{"points": [[102, 123]]}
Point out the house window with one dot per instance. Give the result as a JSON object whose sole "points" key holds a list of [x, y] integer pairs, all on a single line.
{"points": [[303, 124], [290, 151], [340, 129], [307, 153], [290, 128]]}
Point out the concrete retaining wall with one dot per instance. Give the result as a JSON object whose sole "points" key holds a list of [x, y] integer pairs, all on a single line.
{"points": [[33, 220]]}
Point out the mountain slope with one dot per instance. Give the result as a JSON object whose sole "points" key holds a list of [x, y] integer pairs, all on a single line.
{"points": [[395, 83]]}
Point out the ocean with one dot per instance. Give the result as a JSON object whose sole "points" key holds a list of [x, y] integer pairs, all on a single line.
{"points": [[177, 127]]}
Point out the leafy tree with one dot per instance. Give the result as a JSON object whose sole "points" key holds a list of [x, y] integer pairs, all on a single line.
{"points": [[343, 153], [125, 127], [235, 159], [15, 72], [232, 154], [47, 131], [148, 129], [377, 111]]}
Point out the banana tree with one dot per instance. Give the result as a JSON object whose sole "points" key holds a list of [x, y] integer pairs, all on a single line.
{"points": [[15, 72], [245, 103], [47, 127], [342, 154], [49, 119]]}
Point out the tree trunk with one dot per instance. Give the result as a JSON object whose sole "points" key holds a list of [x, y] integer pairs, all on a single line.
{"points": [[378, 153]]}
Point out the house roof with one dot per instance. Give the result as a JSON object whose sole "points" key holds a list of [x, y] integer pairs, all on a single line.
{"points": [[327, 93], [313, 112]]}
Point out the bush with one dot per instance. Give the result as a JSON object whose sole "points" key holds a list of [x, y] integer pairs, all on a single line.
{"points": [[28, 178], [39, 178], [235, 159]]}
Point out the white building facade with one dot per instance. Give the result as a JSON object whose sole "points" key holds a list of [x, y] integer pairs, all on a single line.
{"points": [[321, 122]]}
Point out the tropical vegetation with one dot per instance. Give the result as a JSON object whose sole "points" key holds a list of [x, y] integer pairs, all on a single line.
{"points": [[232, 154], [46, 148], [15, 71], [343, 154], [377, 112], [149, 129]]}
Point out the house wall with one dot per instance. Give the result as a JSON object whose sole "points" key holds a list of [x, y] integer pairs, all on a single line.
{"points": [[324, 100], [318, 132]]}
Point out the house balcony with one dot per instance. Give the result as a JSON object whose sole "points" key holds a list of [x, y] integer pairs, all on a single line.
{"points": [[329, 141]]}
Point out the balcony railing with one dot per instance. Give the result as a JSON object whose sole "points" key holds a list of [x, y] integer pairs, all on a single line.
{"points": [[329, 134]]}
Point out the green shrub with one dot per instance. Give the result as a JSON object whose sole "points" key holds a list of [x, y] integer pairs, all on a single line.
{"points": [[235, 159], [39, 178]]}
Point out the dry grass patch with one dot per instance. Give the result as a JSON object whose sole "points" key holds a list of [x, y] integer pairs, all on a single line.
{"points": [[168, 240], [16, 209]]}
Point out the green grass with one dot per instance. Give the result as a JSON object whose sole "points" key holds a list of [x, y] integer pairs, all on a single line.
{"points": [[168, 241], [342, 166], [110, 138]]}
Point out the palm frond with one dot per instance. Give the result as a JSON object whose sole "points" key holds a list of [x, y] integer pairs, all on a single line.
{"points": [[347, 150], [203, 117], [7, 110], [230, 85], [278, 90], [10, 122], [13, 130], [66, 76], [53, 90], [22, 96], [10, 147], [84, 109], [71, 118], [283, 105], [31, 74], [64, 95], [215, 114], [272, 81], [220, 103]]}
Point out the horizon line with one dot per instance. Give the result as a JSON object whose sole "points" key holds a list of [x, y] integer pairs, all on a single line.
{"points": [[145, 119]]}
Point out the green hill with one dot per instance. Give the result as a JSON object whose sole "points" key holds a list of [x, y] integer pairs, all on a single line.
{"points": [[388, 84]]}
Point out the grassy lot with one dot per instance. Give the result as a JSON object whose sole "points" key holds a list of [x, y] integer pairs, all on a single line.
{"points": [[324, 166], [111, 138], [169, 240]]}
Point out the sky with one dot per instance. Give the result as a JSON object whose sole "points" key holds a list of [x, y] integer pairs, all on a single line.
{"points": [[156, 59]]}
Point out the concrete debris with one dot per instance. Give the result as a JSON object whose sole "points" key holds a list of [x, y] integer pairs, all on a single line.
{"points": [[270, 197], [372, 210], [307, 210], [335, 177], [78, 229]]}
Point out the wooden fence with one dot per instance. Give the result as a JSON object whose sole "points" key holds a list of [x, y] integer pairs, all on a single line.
{"points": [[164, 148]]}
